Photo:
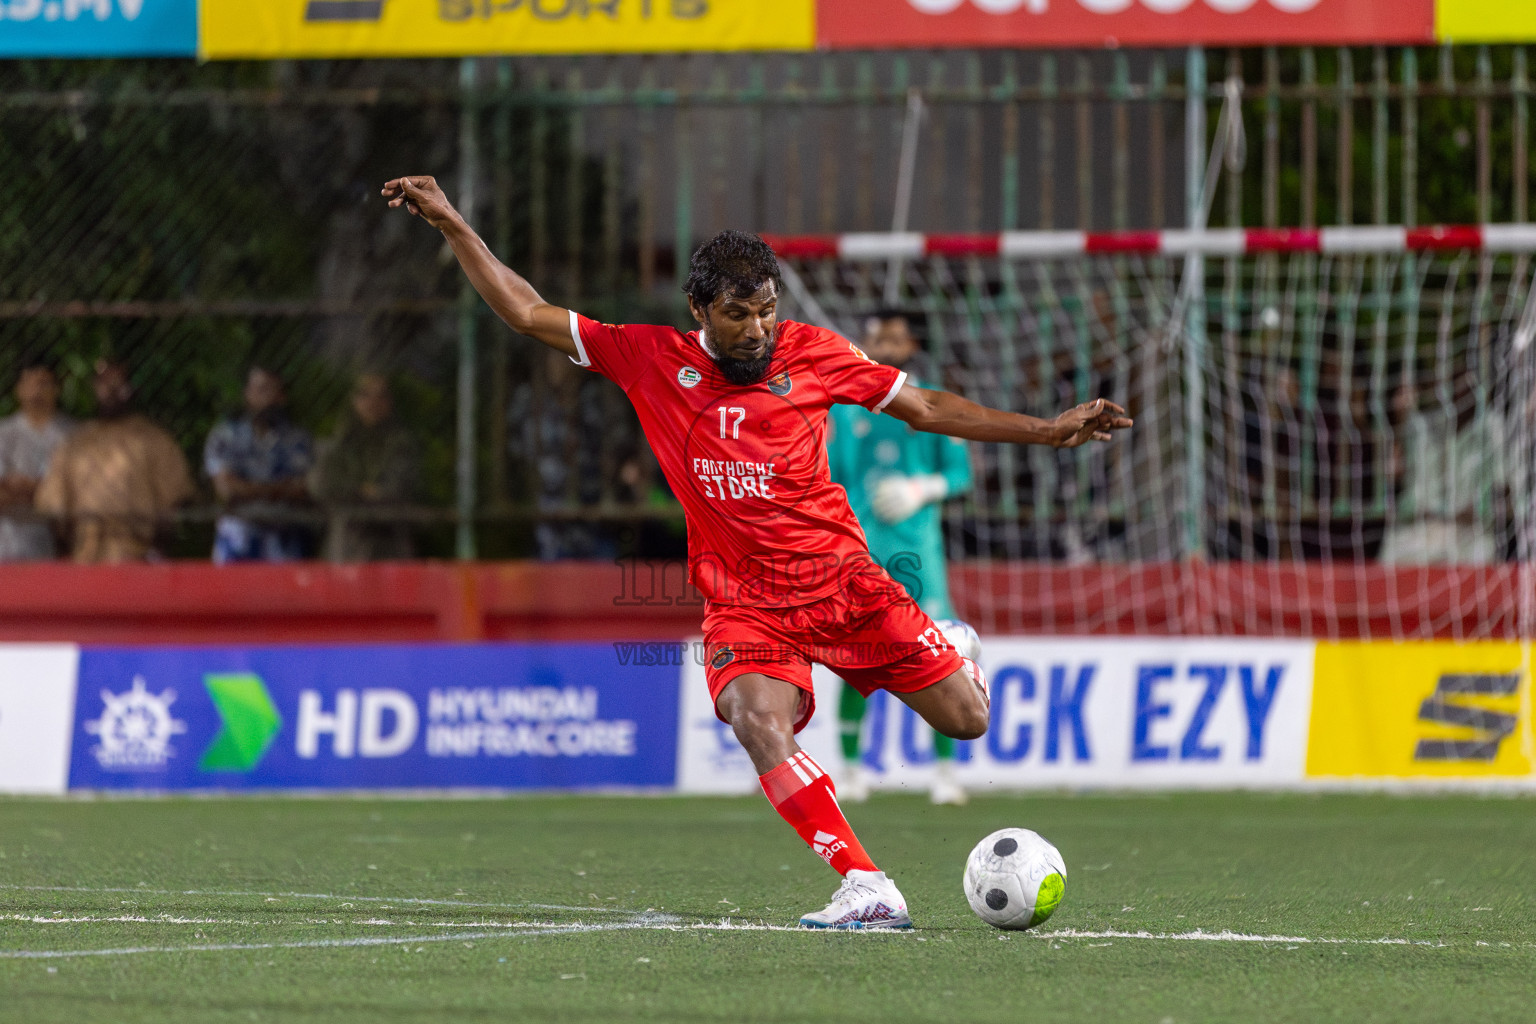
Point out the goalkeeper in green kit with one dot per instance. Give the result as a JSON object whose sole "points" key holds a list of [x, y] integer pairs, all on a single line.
{"points": [[896, 479]]}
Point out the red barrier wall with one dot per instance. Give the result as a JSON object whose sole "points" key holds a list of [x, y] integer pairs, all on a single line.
{"points": [[422, 601], [1318, 600], [319, 603]]}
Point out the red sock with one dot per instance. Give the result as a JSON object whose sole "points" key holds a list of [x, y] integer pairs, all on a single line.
{"points": [[803, 795]]}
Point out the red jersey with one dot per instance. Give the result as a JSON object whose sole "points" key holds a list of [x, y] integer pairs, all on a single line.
{"points": [[766, 524]]}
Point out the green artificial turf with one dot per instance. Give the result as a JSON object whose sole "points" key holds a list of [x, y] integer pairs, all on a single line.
{"points": [[1451, 881]]}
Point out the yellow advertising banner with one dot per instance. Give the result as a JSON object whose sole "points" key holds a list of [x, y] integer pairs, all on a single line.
{"points": [[1421, 710], [450, 28], [1485, 21]]}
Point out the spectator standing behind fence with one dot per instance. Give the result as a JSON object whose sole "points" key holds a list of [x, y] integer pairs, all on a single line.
{"points": [[27, 443], [563, 426], [373, 460], [114, 482], [896, 478], [259, 463], [1456, 478]]}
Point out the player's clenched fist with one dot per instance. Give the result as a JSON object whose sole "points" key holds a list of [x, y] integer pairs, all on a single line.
{"points": [[1091, 421], [421, 195]]}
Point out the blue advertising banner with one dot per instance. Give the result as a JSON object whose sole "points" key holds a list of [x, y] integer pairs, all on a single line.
{"points": [[98, 28], [516, 716]]}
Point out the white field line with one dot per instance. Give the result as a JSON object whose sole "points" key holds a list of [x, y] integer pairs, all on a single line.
{"points": [[1230, 936], [650, 922], [164, 919], [640, 923], [638, 920], [120, 919], [644, 922], [667, 922], [64, 954], [403, 901]]}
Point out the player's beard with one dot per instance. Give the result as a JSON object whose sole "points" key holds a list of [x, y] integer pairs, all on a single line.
{"points": [[747, 371]]}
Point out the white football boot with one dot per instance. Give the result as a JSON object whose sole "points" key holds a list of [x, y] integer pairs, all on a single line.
{"points": [[866, 899]]}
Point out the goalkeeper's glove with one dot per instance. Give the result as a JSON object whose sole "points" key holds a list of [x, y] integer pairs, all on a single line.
{"points": [[898, 497]]}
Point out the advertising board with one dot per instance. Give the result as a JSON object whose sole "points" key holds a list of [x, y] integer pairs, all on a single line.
{"points": [[1434, 711], [514, 716], [1170, 713], [425, 28], [870, 24], [1177, 714], [98, 28], [236, 29], [37, 702], [1485, 21]]}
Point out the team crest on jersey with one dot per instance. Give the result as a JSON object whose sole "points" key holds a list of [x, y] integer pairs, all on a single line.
{"points": [[688, 377], [781, 385], [723, 657]]}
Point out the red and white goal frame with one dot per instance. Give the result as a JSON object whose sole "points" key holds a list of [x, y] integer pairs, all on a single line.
{"points": [[1336, 427], [1028, 245]]}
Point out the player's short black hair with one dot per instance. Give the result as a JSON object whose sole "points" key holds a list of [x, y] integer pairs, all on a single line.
{"points": [[732, 263]]}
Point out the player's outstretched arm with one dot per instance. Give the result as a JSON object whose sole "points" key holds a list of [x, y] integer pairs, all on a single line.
{"points": [[940, 412], [503, 289]]}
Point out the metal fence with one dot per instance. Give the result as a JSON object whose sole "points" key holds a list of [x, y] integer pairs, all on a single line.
{"points": [[192, 220]]}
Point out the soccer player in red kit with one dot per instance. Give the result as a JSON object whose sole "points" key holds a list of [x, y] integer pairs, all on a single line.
{"points": [[736, 414]]}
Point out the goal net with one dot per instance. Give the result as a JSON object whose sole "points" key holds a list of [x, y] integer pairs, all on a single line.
{"points": [[1335, 431]]}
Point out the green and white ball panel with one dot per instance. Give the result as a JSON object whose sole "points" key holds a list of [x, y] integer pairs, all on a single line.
{"points": [[1014, 879], [1052, 888]]}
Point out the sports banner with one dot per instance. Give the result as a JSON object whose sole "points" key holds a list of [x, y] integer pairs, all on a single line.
{"points": [[1421, 711], [1153, 714], [515, 716], [427, 28], [98, 28], [1485, 21], [872, 24], [37, 706], [1097, 713]]}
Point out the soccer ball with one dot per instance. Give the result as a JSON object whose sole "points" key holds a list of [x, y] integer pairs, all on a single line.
{"points": [[1014, 879]]}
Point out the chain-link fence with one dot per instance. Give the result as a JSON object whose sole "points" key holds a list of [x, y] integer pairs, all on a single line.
{"points": [[194, 221]]}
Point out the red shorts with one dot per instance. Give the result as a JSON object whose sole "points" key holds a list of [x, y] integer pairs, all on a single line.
{"points": [[872, 634]]}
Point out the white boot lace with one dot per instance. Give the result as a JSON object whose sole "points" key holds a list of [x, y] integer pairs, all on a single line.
{"points": [[853, 889]]}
